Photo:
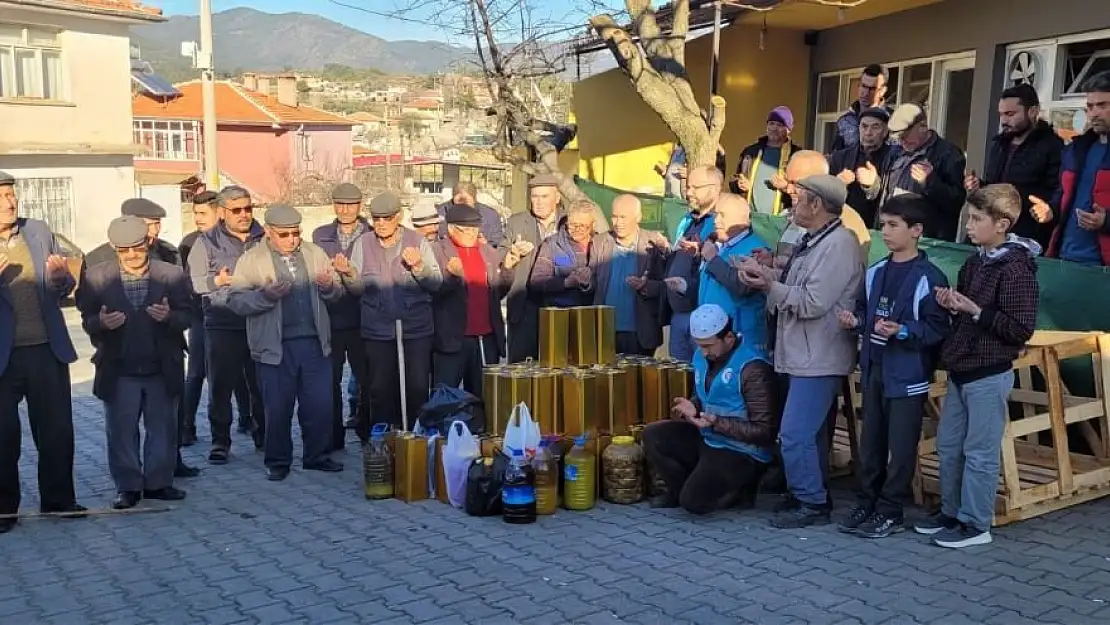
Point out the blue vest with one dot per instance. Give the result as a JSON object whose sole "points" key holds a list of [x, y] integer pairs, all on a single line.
{"points": [[725, 400], [391, 292], [224, 250], [748, 313], [345, 313]]}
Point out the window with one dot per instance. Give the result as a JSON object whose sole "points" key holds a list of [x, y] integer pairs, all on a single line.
{"points": [[1080, 61], [30, 63], [168, 140], [48, 199]]}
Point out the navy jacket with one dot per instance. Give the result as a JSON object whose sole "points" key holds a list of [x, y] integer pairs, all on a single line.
{"points": [[41, 243], [213, 251], [344, 312], [908, 364]]}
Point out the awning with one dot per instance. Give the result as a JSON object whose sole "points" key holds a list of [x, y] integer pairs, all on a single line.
{"points": [[154, 177]]}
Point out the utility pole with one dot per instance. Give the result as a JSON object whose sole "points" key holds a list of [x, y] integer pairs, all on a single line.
{"points": [[208, 90]]}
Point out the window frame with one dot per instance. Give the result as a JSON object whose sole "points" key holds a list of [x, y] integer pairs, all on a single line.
{"points": [[8, 68], [186, 131]]}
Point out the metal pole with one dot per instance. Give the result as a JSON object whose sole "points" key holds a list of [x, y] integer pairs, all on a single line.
{"points": [[715, 64], [208, 91]]}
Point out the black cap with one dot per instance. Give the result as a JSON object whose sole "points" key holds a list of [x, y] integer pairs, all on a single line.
{"points": [[346, 193], [385, 205], [127, 231], [142, 207], [204, 197], [282, 216], [463, 215], [878, 112]]}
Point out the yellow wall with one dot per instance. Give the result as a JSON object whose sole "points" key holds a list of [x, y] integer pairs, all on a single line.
{"points": [[620, 138]]}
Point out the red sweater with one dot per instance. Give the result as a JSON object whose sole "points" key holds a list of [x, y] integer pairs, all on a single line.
{"points": [[477, 290]]}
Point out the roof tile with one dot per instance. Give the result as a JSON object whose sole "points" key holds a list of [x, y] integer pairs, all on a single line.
{"points": [[120, 6], [234, 104]]}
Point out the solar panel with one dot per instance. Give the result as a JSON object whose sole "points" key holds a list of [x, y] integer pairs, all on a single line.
{"points": [[154, 84]]}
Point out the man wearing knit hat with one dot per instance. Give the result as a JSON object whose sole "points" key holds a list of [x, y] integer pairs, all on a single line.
{"points": [[136, 311], [760, 173]]}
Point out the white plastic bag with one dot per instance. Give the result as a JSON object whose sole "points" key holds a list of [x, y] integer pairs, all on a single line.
{"points": [[460, 450], [522, 432]]}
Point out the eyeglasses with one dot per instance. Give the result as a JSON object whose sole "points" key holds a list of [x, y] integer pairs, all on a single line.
{"points": [[578, 227], [287, 234], [240, 210]]}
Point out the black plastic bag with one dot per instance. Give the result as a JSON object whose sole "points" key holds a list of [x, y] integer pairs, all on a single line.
{"points": [[483, 485], [448, 404]]}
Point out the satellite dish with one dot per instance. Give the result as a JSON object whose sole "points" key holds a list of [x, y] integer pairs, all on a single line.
{"points": [[1023, 69]]}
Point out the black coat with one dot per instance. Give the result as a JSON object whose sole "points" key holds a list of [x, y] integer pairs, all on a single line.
{"points": [[449, 302], [853, 158], [104, 287], [1034, 168], [105, 253]]}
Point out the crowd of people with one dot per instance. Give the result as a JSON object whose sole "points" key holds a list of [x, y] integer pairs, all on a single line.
{"points": [[275, 318]]}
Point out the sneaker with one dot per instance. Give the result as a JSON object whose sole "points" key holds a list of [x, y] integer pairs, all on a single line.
{"points": [[803, 516], [935, 524], [963, 536], [786, 504], [855, 518], [879, 525]]}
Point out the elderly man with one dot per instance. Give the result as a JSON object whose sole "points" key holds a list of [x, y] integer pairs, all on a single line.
{"points": [[719, 441], [524, 233], [136, 310], [466, 193], [211, 263], [630, 277], [339, 238], [469, 327], [281, 287], [35, 353], [425, 219], [563, 275], [871, 154], [821, 278], [394, 272]]}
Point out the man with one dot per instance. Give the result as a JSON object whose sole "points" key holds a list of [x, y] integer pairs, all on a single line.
{"points": [[466, 193], [715, 448], [820, 279], [1084, 187], [524, 232], [281, 286], [339, 239], [674, 172], [811, 163], [927, 165], [425, 219], [703, 189], [872, 94], [630, 277], [211, 263], [760, 173], [394, 272], [35, 353], [563, 275], [469, 327], [866, 159], [136, 311]]}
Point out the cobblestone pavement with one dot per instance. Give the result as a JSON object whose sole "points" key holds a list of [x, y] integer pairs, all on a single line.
{"points": [[312, 550]]}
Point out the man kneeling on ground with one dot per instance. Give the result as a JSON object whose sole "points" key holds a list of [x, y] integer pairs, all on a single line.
{"points": [[714, 450]]}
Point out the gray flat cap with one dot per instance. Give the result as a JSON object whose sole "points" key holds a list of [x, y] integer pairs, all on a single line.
{"points": [[142, 207], [127, 231], [282, 216], [6, 179], [346, 193], [385, 205], [830, 189], [543, 180]]}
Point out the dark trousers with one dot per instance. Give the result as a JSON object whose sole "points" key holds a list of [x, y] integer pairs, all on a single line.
{"points": [[888, 447], [464, 366], [142, 398], [629, 343], [302, 379], [346, 347], [524, 335], [698, 476], [194, 383], [383, 379], [36, 375], [229, 363]]}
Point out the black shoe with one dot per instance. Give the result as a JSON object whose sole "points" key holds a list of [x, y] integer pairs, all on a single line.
{"points": [[218, 455], [7, 525], [244, 426], [935, 524], [259, 440], [168, 493], [184, 470], [72, 511], [879, 525], [277, 474], [326, 465], [188, 439], [126, 499], [855, 518], [786, 504], [804, 516], [663, 501]]}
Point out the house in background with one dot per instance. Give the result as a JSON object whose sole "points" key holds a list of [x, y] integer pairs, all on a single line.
{"points": [[268, 144], [65, 122]]}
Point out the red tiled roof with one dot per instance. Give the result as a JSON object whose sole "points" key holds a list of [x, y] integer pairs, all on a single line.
{"points": [[234, 105], [424, 104], [129, 8], [371, 160]]}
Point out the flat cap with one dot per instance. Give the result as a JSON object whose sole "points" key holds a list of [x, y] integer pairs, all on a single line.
{"points": [[424, 213], [127, 231], [142, 207], [904, 116], [707, 321], [204, 197], [282, 216], [880, 113], [543, 180], [6, 179], [346, 193], [463, 215], [385, 205], [832, 191]]}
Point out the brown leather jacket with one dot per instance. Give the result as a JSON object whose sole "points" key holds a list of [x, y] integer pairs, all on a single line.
{"points": [[759, 385]]}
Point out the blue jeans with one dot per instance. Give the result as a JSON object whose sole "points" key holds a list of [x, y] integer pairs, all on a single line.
{"points": [[303, 379], [803, 419], [969, 447], [680, 345]]}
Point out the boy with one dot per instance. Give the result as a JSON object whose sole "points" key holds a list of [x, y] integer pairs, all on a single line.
{"points": [[903, 325], [994, 308]]}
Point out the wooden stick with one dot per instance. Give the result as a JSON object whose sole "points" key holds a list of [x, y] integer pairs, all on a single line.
{"points": [[96, 512]]}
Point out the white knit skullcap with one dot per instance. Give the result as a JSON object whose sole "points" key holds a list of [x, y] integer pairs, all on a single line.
{"points": [[707, 321]]}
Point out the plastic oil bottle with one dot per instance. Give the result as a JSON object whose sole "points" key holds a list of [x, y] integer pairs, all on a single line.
{"points": [[377, 464], [518, 492], [579, 477], [546, 468]]}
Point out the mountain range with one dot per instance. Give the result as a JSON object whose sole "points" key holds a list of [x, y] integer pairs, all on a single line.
{"points": [[246, 39]]}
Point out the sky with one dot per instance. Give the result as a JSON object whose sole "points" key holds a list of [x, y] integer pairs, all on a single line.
{"points": [[389, 29]]}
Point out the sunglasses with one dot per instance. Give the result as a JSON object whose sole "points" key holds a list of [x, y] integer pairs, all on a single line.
{"points": [[240, 210], [288, 234]]}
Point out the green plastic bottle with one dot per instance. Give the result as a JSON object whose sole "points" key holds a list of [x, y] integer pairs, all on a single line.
{"points": [[579, 477]]}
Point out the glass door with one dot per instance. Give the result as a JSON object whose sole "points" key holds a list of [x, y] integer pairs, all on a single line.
{"points": [[952, 117]]}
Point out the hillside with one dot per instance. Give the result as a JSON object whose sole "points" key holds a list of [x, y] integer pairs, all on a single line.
{"points": [[246, 39]]}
